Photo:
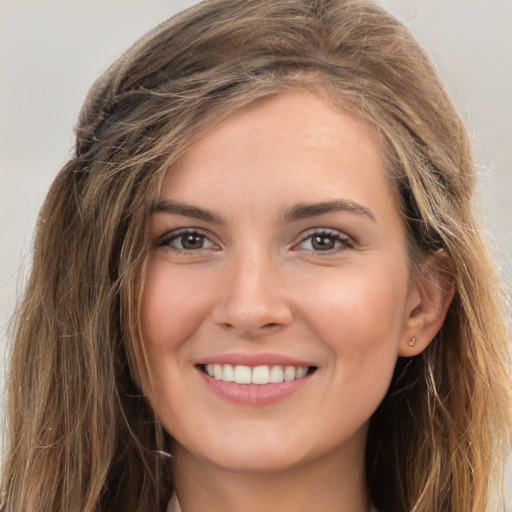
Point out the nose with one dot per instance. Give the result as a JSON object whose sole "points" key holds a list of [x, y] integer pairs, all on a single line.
{"points": [[252, 297]]}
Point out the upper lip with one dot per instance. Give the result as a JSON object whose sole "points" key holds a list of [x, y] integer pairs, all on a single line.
{"points": [[253, 359]]}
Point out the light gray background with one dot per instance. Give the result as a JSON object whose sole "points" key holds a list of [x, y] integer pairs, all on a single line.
{"points": [[51, 51]]}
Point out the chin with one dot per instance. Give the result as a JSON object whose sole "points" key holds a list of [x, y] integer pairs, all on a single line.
{"points": [[255, 461], [264, 453]]}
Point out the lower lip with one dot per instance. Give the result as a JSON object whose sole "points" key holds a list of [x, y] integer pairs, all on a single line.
{"points": [[254, 394]]}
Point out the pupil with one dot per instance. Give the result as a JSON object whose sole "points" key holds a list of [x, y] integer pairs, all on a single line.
{"points": [[192, 241], [322, 243]]}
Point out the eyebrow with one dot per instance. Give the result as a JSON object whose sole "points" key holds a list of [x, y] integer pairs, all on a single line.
{"points": [[305, 210], [187, 210], [296, 212]]}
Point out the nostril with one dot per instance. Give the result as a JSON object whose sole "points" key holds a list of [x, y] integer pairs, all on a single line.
{"points": [[250, 316]]}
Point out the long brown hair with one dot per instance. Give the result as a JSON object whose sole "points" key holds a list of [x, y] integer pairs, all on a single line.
{"points": [[81, 435]]}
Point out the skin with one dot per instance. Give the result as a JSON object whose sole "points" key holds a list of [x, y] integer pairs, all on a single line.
{"points": [[255, 282]]}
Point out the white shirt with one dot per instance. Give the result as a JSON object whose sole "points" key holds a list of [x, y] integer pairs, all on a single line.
{"points": [[173, 505]]}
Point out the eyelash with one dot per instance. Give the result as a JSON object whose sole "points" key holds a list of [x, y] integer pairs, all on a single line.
{"points": [[344, 242], [168, 238]]}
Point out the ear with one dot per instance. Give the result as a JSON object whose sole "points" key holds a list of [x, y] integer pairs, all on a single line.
{"points": [[429, 297]]}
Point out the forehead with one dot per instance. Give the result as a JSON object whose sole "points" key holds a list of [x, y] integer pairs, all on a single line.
{"points": [[284, 140]]}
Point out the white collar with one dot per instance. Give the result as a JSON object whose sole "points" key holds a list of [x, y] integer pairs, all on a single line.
{"points": [[173, 505]]}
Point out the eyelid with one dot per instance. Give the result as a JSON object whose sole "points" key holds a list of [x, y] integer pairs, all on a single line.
{"points": [[169, 236], [346, 240]]}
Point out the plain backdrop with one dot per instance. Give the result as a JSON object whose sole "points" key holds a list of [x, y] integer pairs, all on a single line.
{"points": [[52, 50]]}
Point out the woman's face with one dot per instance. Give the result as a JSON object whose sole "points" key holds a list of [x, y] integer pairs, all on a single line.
{"points": [[279, 258]]}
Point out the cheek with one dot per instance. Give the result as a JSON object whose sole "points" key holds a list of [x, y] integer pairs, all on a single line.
{"points": [[370, 302], [171, 310], [361, 325], [172, 304], [360, 317]]}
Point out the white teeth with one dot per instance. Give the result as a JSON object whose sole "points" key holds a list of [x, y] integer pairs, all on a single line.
{"points": [[289, 373], [263, 374], [260, 375], [276, 374], [301, 372], [228, 373], [217, 371], [242, 374]]}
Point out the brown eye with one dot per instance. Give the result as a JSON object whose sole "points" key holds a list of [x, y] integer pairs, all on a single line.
{"points": [[191, 241], [323, 242], [186, 240]]}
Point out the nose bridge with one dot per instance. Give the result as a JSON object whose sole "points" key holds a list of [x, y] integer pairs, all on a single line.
{"points": [[253, 297]]}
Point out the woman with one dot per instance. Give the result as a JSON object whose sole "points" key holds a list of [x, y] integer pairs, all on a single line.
{"points": [[259, 283]]}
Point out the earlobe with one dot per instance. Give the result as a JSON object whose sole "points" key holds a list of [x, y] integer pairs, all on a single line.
{"points": [[429, 300]]}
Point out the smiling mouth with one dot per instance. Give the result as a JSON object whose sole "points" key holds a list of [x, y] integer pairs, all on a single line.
{"points": [[259, 375]]}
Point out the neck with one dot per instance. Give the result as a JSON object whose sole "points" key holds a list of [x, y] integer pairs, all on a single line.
{"points": [[335, 483]]}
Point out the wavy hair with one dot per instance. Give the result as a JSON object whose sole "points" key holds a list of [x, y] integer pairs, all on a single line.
{"points": [[81, 435]]}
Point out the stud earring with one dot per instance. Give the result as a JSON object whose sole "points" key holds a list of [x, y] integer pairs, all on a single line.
{"points": [[412, 341]]}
